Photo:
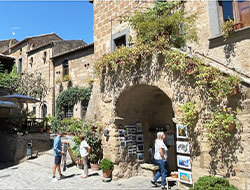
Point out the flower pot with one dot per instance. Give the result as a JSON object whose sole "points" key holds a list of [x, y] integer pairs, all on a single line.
{"points": [[231, 127], [107, 173], [41, 130], [237, 26], [95, 167]]}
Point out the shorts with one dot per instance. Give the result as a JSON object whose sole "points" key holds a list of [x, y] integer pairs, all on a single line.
{"points": [[58, 160]]}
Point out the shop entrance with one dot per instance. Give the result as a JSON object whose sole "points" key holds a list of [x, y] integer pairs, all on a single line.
{"points": [[143, 110]]}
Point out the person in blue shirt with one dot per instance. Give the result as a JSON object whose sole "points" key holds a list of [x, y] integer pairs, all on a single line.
{"points": [[57, 148]]}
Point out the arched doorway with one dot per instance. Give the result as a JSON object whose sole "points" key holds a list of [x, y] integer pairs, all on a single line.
{"points": [[44, 111], [152, 109]]}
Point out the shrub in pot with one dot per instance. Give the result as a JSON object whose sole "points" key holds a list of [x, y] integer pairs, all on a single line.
{"points": [[213, 183], [107, 166]]}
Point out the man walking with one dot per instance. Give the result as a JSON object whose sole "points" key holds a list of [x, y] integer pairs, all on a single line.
{"points": [[57, 148]]}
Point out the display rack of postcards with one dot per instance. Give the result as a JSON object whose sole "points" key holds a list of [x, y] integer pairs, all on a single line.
{"points": [[183, 151], [131, 139]]}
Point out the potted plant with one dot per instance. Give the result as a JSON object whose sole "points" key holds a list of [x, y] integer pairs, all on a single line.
{"points": [[107, 166]]}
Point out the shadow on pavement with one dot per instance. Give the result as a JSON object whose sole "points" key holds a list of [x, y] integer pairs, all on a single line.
{"points": [[6, 165], [93, 174]]}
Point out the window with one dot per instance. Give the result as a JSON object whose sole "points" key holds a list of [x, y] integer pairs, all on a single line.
{"points": [[34, 110], [119, 39], [31, 61], [68, 112], [20, 64], [20, 51], [84, 106], [44, 56], [65, 68], [239, 11]]}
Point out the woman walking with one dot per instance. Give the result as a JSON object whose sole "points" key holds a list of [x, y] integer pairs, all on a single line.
{"points": [[160, 157]]}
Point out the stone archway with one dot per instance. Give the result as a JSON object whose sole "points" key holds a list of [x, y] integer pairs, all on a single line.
{"points": [[151, 107]]}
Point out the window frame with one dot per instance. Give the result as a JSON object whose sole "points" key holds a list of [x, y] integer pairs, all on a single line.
{"points": [[118, 35]]}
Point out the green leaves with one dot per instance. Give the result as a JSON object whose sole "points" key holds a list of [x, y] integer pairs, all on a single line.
{"points": [[213, 183], [221, 124], [106, 164], [189, 113], [69, 98]]}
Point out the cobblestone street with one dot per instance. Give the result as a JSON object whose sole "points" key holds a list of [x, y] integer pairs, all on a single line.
{"points": [[37, 173]]}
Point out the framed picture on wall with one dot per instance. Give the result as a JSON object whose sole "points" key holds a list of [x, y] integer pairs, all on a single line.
{"points": [[140, 157], [185, 176], [181, 131], [139, 138], [183, 147], [140, 147], [183, 162], [138, 127]]}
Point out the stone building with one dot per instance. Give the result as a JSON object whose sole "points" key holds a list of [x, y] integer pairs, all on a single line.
{"points": [[43, 54], [18, 50], [152, 97], [74, 68], [39, 60], [6, 44]]}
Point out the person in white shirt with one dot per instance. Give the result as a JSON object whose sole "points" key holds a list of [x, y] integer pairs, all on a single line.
{"points": [[84, 151], [160, 157]]}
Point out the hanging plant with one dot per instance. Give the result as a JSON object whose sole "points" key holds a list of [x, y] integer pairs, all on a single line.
{"points": [[221, 124], [189, 113]]}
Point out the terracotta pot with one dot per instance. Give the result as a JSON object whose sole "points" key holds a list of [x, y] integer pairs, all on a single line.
{"points": [[237, 26], [231, 127], [95, 167], [235, 91], [107, 173]]}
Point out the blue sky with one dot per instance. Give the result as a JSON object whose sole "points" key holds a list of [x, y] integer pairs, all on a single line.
{"points": [[71, 20]]}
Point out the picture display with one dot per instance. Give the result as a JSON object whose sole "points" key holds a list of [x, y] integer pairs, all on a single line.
{"points": [[183, 147], [185, 176], [182, 131], [183, 162], [131, 139]]}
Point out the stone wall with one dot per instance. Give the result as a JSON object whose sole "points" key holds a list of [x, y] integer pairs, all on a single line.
{"points": [[13, 148], [81, 72], [120, 99]]}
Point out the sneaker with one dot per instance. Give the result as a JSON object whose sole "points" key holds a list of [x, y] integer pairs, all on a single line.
{"points": [[163, 187], [54, 179], [153, 182], [62, 177]]}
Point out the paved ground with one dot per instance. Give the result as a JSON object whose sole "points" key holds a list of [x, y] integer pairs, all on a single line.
{"points": [[37, 174]]}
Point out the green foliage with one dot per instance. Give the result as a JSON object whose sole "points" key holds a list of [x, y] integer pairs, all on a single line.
{"points": [[219, 127], [69, 98], [10, 80], [158, 28], [222, 86], [31, 84], [92, 134], [164, 25], [123, 57], [106, 164], [66, 78], [189, 113], [58, 80], [227, 28], [212, 183]]}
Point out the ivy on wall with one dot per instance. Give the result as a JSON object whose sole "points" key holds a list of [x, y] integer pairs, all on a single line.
{"points": [[69, 98], [160, 30]]}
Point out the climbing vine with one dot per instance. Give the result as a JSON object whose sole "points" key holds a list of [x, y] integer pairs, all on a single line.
{"points": [[69, 98], [161, 30]]}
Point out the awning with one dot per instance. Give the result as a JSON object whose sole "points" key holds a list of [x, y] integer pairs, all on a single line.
{"points": [[7, 104]]}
